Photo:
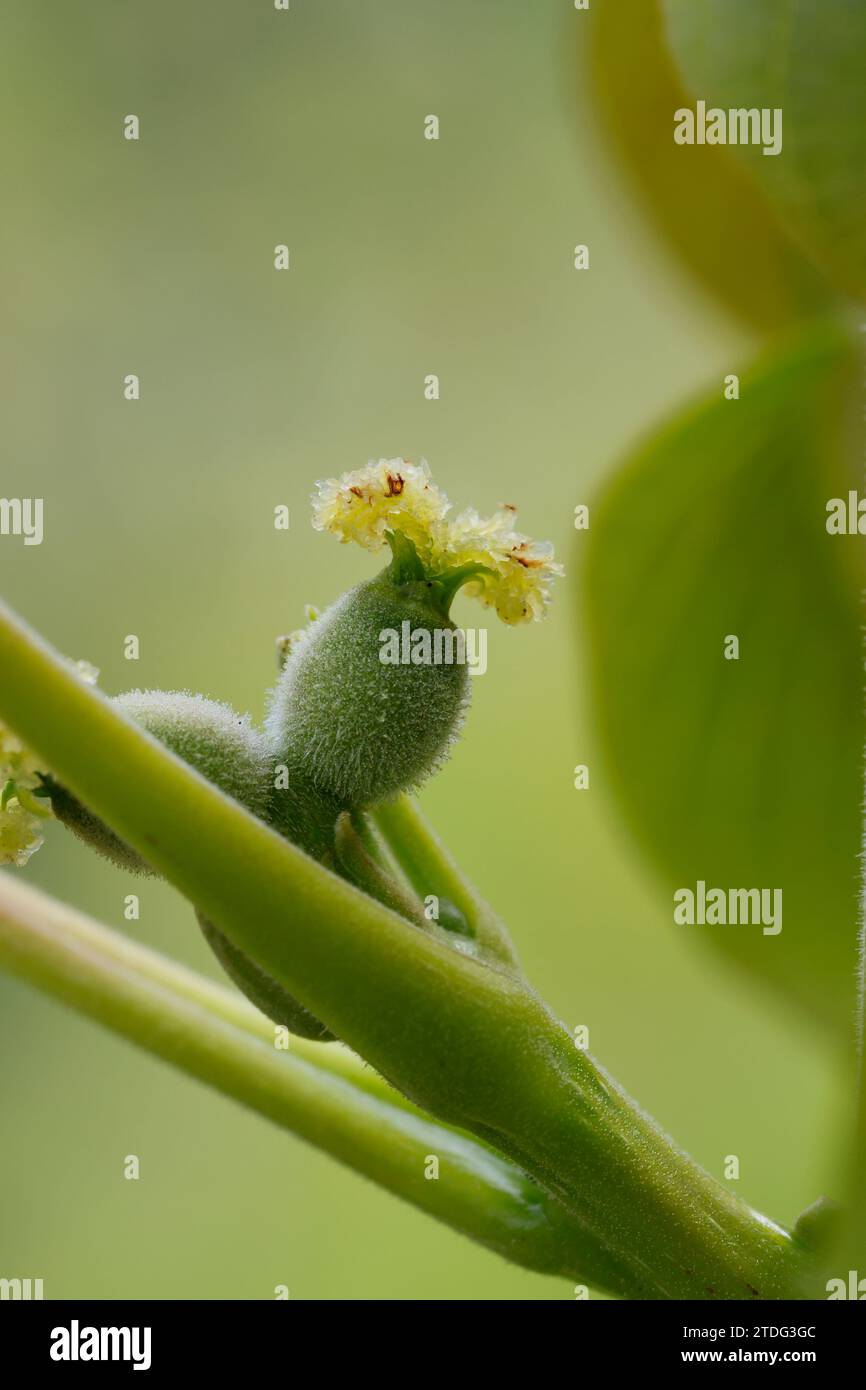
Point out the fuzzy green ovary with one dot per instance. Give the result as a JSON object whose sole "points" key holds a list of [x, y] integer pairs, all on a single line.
{"points": [[229, 752], [346, 730], [357, 730]]}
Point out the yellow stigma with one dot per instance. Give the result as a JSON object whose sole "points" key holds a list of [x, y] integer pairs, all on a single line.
{"points": [[523, 569], [387, 495], [396, 495]]}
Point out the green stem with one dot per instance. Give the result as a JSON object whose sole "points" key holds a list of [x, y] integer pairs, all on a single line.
{"points": [[319, 1092], [467, 1041], [682, 1234], [372, 841], [430, 869], [360, 868]]}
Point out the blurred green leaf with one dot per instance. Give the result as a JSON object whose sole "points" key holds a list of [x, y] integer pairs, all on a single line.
{"points": [[805, 57], [743, 773], [698, 198]]}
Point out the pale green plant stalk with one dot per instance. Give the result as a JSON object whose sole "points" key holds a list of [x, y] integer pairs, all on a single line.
{"points": [[324, 1094], [429, 868], [464, 1039]]}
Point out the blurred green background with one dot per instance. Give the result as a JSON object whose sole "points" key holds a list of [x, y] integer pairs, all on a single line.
{"points": [[408, 257]]}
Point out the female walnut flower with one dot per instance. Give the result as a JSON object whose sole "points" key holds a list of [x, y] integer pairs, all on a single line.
{"points": [[513, 573], [346, 729]]}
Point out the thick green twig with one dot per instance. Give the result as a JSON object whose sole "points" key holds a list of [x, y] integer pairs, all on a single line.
{"points": [[320, 1092], [468, 1041]]}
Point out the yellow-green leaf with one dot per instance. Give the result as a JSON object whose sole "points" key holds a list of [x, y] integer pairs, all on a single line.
{"points": [[698, 199], [804, 58]]}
